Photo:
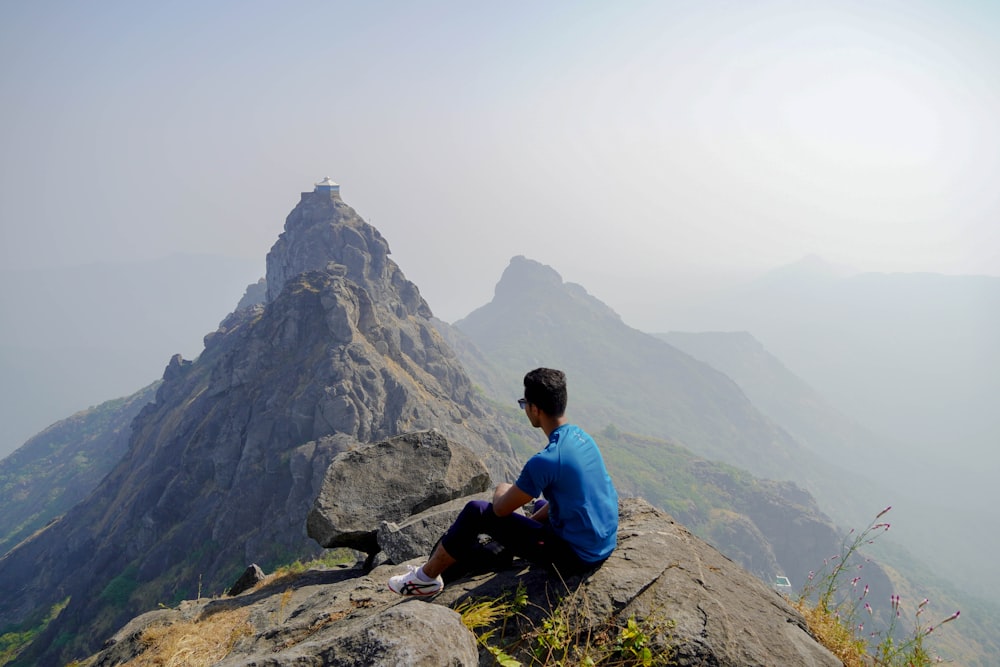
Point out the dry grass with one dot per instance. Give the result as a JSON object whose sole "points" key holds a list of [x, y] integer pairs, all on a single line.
{"points": [[831, 633], [197, 643]]}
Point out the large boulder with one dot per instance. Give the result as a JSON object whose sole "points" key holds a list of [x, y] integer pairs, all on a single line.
{"points": [[390, 481], [395, 635]]}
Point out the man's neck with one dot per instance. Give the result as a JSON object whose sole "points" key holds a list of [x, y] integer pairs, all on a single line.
{"points": [[550, 424]]}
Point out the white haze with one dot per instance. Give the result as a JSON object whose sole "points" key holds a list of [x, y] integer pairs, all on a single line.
{"points": [[625, 144]]}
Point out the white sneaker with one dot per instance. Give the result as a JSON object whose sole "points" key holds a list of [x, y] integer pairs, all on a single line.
{"points": [[411, 584]]}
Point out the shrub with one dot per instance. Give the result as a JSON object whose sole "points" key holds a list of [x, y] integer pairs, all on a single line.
{"points": [[557, 639], [837, 615]]}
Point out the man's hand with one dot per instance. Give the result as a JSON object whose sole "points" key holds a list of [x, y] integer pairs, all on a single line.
{"points": [[542, 515], [507, 498]]}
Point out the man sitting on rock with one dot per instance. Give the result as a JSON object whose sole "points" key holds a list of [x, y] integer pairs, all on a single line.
{"points": [[574, 531]]}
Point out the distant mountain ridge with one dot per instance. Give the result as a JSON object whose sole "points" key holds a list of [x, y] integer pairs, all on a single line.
{"points": [[911, 357], [783, 396], [642, 384]]}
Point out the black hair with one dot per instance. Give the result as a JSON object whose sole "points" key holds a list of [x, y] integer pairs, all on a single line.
{"points": [[545, 388]]}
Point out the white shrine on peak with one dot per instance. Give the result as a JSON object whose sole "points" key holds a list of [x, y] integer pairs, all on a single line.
{"points": [[327, 185]]}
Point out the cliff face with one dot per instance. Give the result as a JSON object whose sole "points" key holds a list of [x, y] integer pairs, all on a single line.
{"points": [[223, 466]]}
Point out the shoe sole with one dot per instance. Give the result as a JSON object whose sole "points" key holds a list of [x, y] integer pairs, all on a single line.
{"points": [[414, 594]]}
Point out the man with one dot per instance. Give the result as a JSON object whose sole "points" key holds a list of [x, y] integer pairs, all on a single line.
{"points": [[574, 529]]}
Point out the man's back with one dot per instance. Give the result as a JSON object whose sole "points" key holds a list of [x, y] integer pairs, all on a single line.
{"points": [[571, 474]]}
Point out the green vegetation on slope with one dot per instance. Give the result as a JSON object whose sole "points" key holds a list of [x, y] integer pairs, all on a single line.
{"points": [[14, 640], [61, 465]]}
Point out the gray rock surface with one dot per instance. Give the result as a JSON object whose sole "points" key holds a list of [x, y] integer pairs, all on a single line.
{"points": [[390, 481], [418, 635], [323, 231]]}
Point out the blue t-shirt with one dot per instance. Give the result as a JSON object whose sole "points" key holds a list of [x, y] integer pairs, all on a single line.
{"points": [[583, 503]]}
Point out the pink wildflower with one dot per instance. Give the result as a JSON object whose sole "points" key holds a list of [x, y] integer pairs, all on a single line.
{"points": [[879, 515]]}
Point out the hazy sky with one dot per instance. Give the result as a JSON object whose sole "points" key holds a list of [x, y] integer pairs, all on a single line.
{"points": [[616, 142]]}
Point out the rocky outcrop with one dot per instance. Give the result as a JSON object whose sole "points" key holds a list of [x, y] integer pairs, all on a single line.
{"points": [[255, 294], [693, 603], [251, 576], [324, 232]]}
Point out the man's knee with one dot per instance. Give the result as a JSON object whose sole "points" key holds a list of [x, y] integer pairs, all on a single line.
{"points": [[475, 508]]}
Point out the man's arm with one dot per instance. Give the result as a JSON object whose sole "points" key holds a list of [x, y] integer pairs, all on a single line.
{"points": [[507, 498]]}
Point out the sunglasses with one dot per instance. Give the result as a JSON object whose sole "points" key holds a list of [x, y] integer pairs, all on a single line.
{"points": [[521, 402]]}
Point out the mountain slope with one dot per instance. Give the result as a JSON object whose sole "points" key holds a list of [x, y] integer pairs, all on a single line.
{"points": [[223, 466], [60, 466]]}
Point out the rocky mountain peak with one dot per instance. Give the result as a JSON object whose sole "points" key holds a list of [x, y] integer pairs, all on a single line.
{"points": [[522, 275], [324, 233]]}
